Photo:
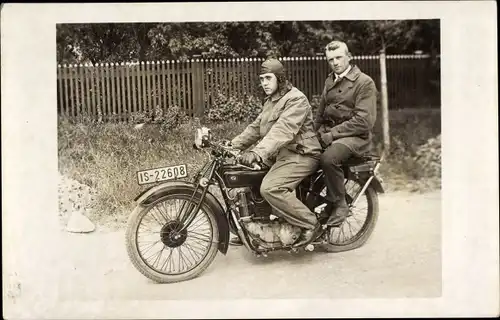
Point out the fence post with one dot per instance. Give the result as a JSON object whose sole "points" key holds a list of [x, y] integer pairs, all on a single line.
{"points": [[197, 90], [385, 102]]}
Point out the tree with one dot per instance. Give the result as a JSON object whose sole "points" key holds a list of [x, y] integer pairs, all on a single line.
{"points": [[99, 43], [112, 42]]}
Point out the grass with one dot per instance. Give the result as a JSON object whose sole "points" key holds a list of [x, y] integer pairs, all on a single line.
{"points": [[107, 156]]}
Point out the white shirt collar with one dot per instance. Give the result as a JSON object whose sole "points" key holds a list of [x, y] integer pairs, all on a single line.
{"points": [[343, 73]]}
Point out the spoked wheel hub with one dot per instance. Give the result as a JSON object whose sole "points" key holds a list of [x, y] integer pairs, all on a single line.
{"points": [[157, 247], [170, 235]]}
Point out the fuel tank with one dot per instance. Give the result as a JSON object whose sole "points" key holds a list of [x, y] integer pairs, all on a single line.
{"points": [[238, 177]]}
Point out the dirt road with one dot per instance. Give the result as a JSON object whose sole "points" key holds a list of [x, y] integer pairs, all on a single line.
{"points": [[402, 259]]}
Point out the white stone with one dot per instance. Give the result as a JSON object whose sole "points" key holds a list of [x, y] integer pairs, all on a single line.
{"points": [[78, 223]]}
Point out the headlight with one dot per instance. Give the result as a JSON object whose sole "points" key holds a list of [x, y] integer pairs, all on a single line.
{"points": [[202, 137]]}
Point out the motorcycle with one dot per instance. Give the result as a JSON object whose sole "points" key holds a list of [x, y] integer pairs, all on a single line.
{"points": [[179, 225]]}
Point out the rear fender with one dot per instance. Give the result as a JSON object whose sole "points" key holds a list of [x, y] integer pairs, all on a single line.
{"points": [[363, 172], [376, 184], [150, 195]]}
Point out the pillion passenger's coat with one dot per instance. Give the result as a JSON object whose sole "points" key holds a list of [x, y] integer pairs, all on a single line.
{"points": [[348, 110]]}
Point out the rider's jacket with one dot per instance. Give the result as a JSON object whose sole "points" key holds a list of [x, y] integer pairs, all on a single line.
{"points": [[286, 121]]}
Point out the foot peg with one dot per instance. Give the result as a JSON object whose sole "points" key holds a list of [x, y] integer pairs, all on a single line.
{"points": [[260, 254], [309, 247]]}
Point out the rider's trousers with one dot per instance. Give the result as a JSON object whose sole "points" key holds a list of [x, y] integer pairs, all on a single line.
{"points": [[331, 162], [279, 184]]}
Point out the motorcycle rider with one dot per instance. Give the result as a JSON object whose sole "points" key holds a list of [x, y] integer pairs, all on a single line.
{"points": [[287, 143], [344, 122]]}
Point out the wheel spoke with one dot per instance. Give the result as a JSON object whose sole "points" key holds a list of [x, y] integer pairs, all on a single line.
{"points": [[149, 221], [157, 259], [161, 214], [190, 248], [156, 219], [357, 221], [338, 237], [358, 209], [166, 260], [167, 212], [180, 264], [149, 247], [342, 232], [197, 245], [349, 226], [169, 260], [203, 239], [148, 230], [190, 252], [196, 223], [198, 235], [147, 259], [169, 254]]}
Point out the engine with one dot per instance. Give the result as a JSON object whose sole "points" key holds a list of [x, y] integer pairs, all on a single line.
{"points": [[261, 221]]}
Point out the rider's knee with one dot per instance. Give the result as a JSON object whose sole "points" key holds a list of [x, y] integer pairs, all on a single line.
{"points": [[329, 159], [324, 159], [332, 156], [265, 190], [269, 190]]}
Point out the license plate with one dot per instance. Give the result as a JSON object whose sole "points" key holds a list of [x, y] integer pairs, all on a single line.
{"points": [[161, 174]]}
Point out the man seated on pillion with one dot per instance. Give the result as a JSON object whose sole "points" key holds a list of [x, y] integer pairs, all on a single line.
{"points": [[288, 145], [344, 122]]}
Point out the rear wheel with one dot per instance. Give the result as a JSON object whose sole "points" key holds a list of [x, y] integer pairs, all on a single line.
{"points": [[163, 254], [355, 231]]}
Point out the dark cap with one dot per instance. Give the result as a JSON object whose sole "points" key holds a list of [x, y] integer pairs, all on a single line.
{"points": [[272, 65]]}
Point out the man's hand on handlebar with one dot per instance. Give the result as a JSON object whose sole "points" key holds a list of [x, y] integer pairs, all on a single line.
{"points": [[248, 158], [226, 143]]}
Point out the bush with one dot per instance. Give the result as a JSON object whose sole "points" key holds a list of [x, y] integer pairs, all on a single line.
{"points": [[166, 119], [233, 108], [414, 159]]}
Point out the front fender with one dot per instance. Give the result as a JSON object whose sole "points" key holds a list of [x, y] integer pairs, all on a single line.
{"points": [[150, 195]]}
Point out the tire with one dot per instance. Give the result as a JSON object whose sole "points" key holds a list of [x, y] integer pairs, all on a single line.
{"points": [[131, 240], [366, 230]]}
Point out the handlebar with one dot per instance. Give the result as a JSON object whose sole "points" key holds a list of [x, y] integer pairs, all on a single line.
{"points": [[254, 166], [221, 149], [235, 153]]}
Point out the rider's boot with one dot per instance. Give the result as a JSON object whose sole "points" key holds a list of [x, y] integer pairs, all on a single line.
{"points": [[339, 214], [308, 236]]}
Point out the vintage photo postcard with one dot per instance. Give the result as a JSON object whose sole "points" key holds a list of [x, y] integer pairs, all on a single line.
{"points": [[249, 160]]}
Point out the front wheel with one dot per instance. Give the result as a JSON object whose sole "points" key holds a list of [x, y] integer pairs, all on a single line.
{"points": [[159, 251]]}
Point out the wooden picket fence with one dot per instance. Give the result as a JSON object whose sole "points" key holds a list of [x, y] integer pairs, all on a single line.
{"points": [[115, 91]]}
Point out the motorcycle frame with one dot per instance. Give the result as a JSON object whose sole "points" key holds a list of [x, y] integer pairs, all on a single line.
{"points": [[205, 177], [231, 214], [204, 181]]}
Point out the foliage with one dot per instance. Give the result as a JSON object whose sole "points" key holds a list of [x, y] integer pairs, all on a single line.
{"points": [[233, 108], [103, 42], [414, 160], [111, 42], [167, 119], [428, 157]]}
